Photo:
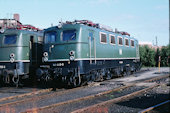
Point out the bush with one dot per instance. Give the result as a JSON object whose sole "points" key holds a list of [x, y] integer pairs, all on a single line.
{"points": [[150, 58], [147, 56]]}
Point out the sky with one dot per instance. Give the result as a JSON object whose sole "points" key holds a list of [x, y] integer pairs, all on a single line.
{"points": [[143, 19]]}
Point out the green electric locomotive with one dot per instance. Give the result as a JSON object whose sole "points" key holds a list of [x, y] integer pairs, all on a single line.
{"points": [[80, 51], [20, 54]]}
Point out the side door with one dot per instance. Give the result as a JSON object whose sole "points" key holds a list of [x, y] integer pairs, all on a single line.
{"points": [[92, 46], [33, 47]]}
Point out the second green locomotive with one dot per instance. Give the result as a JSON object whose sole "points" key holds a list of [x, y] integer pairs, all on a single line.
{"points": [[20, 54]]}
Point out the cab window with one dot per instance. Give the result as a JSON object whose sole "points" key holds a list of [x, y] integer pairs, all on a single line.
{"points": [[10, 39], [132, 43], [50, 37], [69, 35]]}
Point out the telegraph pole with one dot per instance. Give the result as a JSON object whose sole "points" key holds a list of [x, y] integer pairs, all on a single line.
{"points": [[156, 41], [159, 63], [153, 42]]}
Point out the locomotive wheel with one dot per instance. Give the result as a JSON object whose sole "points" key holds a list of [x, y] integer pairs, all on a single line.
{"points": [[128, 72], [84, 80], [99, 76], [109, 75], [75, 81], [117, 72], [124, 74], [7, 79], [15, 80]]}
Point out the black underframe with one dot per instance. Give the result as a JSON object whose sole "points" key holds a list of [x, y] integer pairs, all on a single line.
{"points": [[63, 68]]}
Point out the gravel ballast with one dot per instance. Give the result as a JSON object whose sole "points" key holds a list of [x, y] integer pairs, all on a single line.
{"points": [[86, 91]]}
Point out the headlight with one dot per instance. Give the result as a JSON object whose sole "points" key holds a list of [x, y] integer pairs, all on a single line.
{"points": [[12, 60], [72, 53], [12, 55], [45, 59], [71, 58], [45, 54]]}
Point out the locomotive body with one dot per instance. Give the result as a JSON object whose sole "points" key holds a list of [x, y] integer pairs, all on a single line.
{"points": [[74, 53], [20, 54]]}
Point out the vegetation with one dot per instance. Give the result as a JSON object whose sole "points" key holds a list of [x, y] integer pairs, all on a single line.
{"points": [[150, 57]]}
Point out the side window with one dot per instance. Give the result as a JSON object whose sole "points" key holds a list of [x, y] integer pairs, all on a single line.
{"points": [[112, 39], [40, 39], [120, 40], [126, 42], [10, 39], [50, 37], [132, 43], [68, 35], [103, 38]]}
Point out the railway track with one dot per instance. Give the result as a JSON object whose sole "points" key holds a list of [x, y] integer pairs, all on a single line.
{"points": [[34, 92], [6, 89], [105, 103], [34, 96], [20, 100], [60, 105], [75, 100], [26, 94], [157, 107]]}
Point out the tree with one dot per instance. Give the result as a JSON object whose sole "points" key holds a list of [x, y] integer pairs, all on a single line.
{"points": [[165, 54], [151, 58], [147, 56], [142, 53]]}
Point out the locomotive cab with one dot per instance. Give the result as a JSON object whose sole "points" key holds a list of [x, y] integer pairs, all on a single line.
{"points": [[58, 43], [62, 46]]}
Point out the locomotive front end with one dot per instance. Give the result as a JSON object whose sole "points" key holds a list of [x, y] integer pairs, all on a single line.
{"points": [[17, 55], [60, 52], [12, 57]]}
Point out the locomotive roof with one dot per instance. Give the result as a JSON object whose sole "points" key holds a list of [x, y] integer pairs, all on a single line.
{"points": [[67, 26], [39, 33]]}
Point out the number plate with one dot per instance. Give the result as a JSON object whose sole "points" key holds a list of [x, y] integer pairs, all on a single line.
{"points": [[2, 67], [58, 64]]}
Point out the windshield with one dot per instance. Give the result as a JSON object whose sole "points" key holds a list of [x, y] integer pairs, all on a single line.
{"points": [[69, 35], [10, 39], [50, 37]]}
